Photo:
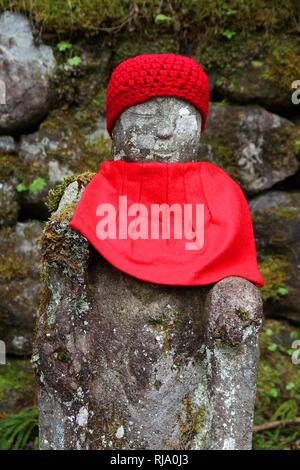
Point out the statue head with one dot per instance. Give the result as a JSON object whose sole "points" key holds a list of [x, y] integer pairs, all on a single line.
{"points": [[164, 129], [156, 108]]}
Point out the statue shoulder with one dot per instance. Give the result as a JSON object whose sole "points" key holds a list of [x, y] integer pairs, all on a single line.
{"points": [[64, 197]]}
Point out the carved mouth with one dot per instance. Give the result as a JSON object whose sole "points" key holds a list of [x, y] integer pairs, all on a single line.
{"points": [[164, 152]]}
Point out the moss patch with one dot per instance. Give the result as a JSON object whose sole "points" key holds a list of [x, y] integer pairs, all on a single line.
{"points": [[90, 18], [56, 193], [190, 422], [275, 271], [252, 67], [278, 387], [17, 385]]}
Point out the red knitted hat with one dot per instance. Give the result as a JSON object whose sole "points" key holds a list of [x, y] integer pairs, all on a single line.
{"points": [[145, 76]]}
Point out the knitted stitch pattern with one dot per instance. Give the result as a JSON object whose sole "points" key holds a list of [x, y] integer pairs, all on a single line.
{"points": [[145, 76]]}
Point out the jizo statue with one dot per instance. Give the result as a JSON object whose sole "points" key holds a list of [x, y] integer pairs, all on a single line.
{"points": [[139, 347]]}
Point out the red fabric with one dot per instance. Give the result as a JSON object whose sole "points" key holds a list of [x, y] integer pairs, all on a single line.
{"points": [[145, 76], [229, 246]]}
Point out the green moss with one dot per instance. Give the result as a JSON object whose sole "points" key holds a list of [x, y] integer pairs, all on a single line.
{"points": [[275, 271], [278, 385], [283, 213], [12, 267], [281, 62], [63, 356], [79, 144], [242, 314], [130, 47], [257, 75], [296, 146], [113, 16], [15, 376], [8, 165], [180, 333], [56, 193], [190, 422]]}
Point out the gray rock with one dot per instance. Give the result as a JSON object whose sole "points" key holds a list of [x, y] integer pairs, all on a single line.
{"points": [[276, 218], [24, 70], [254, 146], [63, 145], [19, 285], [9, 205], [7, 144], [9, 201], [253, 68]]}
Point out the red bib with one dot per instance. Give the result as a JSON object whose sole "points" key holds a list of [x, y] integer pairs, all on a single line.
{"points": [[169, 223]]}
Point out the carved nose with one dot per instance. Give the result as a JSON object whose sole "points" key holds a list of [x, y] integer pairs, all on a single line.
{"points": [[165, 128]]}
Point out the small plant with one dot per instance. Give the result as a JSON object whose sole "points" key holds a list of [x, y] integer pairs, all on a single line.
{"points": [[282, 291], [293, 335], [33, 187], [226, 10], [297, 145], [272, 347], [228, 34], [64, 46], [74, 61], [162, 19], [20, 431]]}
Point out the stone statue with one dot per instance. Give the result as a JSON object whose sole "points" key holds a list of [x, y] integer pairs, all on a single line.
{"points": [[126, 364]]}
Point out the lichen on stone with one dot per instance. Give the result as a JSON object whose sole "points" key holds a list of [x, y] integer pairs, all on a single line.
{"points": [[190, 422], [56, 193]]}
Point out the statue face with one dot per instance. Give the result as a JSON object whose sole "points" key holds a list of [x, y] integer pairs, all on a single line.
{"points": [[163, 129]]}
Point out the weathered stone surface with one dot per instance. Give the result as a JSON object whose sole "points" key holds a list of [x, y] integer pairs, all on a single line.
{"points": [[66, 143], [24, 69], [276, 218], [164, 43], [254, 146], [9, 202], [9, 206], [253, 68], [7, 144], [124, 364], [19, 285]]}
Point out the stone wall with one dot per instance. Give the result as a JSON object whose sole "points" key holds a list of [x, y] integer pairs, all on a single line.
{"points": [[53, 126]]}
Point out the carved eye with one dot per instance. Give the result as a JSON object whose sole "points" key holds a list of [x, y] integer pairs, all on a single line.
{"points": [[141, 114], [141, 110]]}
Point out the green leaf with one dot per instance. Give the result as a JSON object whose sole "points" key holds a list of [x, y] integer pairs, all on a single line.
{"points": [[272, 347], [162, 19], [36, 185], [297, 145], [21, 187], [290, 386], [74, 61], [227, 33], [19, 430], [273, 392], [294, 335], [269, 332], [282, 291], [63, 46]]}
